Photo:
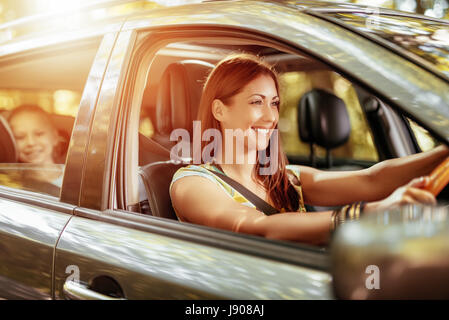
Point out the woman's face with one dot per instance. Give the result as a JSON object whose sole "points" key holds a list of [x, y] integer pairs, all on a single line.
{"points": [[255, 111], [35, 137]]}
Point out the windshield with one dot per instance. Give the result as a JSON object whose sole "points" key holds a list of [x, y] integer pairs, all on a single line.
{"points": [[425, 39]]}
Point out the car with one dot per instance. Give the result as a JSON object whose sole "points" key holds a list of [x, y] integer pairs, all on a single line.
{"points": [[117, 85]]}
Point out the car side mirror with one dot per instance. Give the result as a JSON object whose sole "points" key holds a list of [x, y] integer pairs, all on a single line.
{"points": [[399, 254]]}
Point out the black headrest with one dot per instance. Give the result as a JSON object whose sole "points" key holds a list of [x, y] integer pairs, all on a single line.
{"points": [[179, 95], [323, 119], [8, 150]]}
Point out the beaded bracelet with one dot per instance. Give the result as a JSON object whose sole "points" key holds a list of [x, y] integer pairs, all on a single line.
{"points": [[348, 212]]}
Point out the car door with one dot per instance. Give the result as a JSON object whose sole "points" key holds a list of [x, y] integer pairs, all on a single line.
{"points": [[32, 212], [116, 253], [28, 235], [113, 253]]}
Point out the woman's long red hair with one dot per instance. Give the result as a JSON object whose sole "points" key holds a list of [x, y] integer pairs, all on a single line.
{"points": [[226, 80]]}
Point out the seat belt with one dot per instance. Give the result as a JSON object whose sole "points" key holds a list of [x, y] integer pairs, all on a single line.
{"points": [[258, 202]]}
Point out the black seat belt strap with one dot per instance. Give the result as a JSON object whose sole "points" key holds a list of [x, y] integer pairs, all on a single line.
{"points": [[259, 203]]}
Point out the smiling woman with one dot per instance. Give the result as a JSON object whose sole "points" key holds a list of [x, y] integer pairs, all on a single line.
{"points": [[242, 95]]}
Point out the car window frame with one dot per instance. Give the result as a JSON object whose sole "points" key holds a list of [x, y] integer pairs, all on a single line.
{"points": [[300, 254], [186, 32], [167, 32], [272, 41], [160, 36]]}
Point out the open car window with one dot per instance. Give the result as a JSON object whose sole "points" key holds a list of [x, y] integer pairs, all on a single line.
{"points": [[167, 92]]}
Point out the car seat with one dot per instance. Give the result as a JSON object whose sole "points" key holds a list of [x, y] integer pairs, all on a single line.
{"points": [[179, 94], [64, 126], [8, 148], [389, 129], [178, 98], [156, 178], [150, 151]]}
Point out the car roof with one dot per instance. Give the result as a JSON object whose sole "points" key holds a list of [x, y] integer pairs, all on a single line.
{"points": [[227, 12], [94, 18]]}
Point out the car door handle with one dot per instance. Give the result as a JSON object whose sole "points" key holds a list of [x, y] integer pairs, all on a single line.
{"points": [[77, 291]]}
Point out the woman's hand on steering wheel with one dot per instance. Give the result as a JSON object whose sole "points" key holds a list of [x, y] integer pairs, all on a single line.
{"points": [[412, 193]]}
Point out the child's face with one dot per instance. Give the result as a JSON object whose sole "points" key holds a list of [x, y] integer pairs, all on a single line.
{"points": [[35, 137]]}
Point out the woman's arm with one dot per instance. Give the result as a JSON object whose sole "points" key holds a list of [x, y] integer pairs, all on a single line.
{"points": [[333, 188], [200, 201], [390, 174]]}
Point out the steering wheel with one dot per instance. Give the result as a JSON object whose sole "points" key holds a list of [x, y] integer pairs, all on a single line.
{"points": [[439, 178]]}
